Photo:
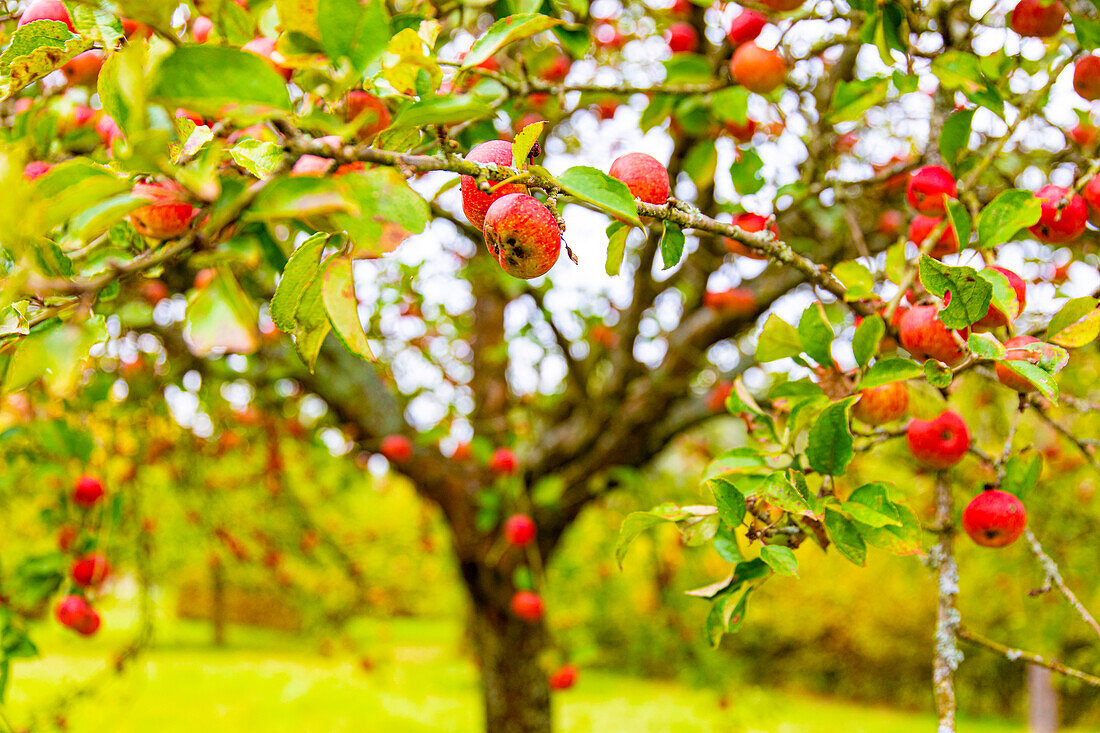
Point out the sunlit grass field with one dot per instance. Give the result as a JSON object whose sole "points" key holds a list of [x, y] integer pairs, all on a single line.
{"points": [[420, 682]]}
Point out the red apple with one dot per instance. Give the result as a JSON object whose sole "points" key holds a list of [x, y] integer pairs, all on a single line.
{"points": [[66, 536], [528, 606], [644, 175], [1063, 215], [750, 223], [201, 28], [1086, 77], [90, 570], [889, 223], [77, 614], [757, 69], [1039, 18], [87, 492], [36, 168], [746, 26], [563, 677], [522, 235], [167, 216], [369, 112], [475, 203], [939, 443], [556, 71], [928, 189], [994, 318], [682, 38], [736, 301], [396, 448], [1091, 194], [47, 10], [920, 229], [83, 69], [1016, 352], [519, 530], [994, 518], [503, 462], [741, 132], [924, 336], [882, 404]]}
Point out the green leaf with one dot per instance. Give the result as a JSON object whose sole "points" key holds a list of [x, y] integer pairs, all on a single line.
{"points": [[342, 305], [638, 522], [731, 504], [784, 489], [937, 374], [1022, 474], [852, 98], [745, 171], [353, 30], [725, 616], [856, 279], [1080, 333], [780, 559], [216, 81], [731, 105], [55, 351], [1006, 215], [1003, 297], [886, 371], [688, 68], [830, 446], [845, 537], [443, 110], [672, 245], [866, 515], [261, 159], [867, 338], [1070, 313], [725, 544], [816, 335], [523, 142], [311, 320], [221, 318], [121, 88], [36, 49], [301, 268], [389, 211], [301, 197], [778, 340], [701, 163], [617, 234], [595, 187], [985, 346], [870, 504], [955, 136], [505, 31], [970, 294], [1041, 378], [960, 221], [1088, 32], [898, 540]]}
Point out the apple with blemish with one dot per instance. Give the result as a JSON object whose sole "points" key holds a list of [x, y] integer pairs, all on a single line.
{"points": [[883, 404], [167, 216], [522, 235], [1063, 215], [83, 69], [924, 336], [922, 227], [994, 518], [929, 188], [939, 443], [475, 202]]}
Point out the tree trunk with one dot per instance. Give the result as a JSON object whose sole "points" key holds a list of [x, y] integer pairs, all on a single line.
{"points": [[515, 690], [217, 602], [1042, 701]]}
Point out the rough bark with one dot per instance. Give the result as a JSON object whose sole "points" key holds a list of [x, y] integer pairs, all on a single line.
{"points": [[947, 614]]}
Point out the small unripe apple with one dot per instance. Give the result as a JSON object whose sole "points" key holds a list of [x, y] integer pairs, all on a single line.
{"points": [[883, 404], [265, 48], [758, 70], [994, 518], [682, 38], [519, 530], [36, 168], [522, 235], [87, 492], [1063, 215], [1086, 77], [201, 28], [475, 203], [563, 677], [750, 223], [994, 318], [503, 462], [90, 570], [921, 227], [1091, 194], [746, 26], [47, 10], [939, 443], [167, 216], [396, 448], [928, 189], [1038, 18], [644, 175], [369, 112], [83, 69], [889, 223], [924, 336], [76, 613], [1016, 352], [528, 606], [735, 301]]}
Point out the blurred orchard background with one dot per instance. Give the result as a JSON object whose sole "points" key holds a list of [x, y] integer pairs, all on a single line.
{"points": [[286, 550]]}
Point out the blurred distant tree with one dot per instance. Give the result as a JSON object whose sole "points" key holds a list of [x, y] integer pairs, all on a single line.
{"points": [[219, 187]]}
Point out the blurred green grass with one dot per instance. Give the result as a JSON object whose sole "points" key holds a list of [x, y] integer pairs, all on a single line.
{"points": [[420, 682]]}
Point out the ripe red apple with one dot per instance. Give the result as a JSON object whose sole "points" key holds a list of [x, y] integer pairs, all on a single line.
{"points": [[77, 614], [522, 235], [735, 301], [396, 448], [921, 227], [134, 30], [528, 606], [204, 277], [1086, 77], [1016, 352], [47, 10], [90, 570], [741, 132], [369, 112], [994, 518], [939, 443], [1039, 18], [644, 175], [36, 168], [757, 69], [87, 492], [882, 404], [519, 530], [265, 48], [680, 7], [201, 28], [994, 318], [681, 37], [1085, 135], [83, 69], [312, 165], [563, 677], [556, 71], [746, 26], [167, 216], [750, 223], [475, 203], [503, 462], [924, 336], [1091, 194], [717, 396], [927, 188], [1063, 215]]}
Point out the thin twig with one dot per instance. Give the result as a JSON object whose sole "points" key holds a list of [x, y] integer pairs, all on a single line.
{"points": [[1055, 576], [1019, 655]]}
